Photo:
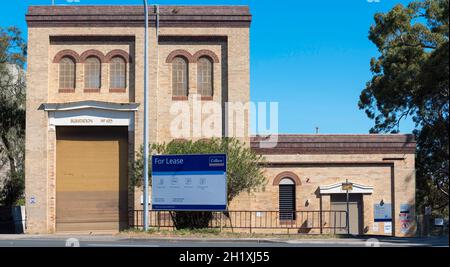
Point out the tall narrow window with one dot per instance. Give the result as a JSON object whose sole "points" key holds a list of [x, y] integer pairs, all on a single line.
{"points": [[117, 73], [287, 199], [179, 77], [205, 76], [66, 73], [92, 70]]}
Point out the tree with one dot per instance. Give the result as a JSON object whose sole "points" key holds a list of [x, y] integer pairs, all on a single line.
{"points": [[12, 112], [410, 78], [244, 171]]}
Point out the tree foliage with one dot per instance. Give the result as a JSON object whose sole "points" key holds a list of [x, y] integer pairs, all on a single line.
{"points": [[244, 171], [410, 79], [12, 113]]}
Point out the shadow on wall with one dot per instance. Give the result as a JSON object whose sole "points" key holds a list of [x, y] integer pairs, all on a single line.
{"points": [[12, 219], [304, 228]]}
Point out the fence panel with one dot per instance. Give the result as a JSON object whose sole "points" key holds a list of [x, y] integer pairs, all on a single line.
{"points": [[331, 220]]}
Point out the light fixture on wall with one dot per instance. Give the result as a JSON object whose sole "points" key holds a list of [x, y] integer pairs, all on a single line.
{"points": [[381, 203], [307, 203], [307, 180]]}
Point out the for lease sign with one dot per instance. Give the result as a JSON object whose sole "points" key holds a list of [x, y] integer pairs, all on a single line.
{"points": [[189, 182]]}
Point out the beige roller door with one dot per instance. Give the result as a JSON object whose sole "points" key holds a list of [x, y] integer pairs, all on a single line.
{"points": [[91, 179]]}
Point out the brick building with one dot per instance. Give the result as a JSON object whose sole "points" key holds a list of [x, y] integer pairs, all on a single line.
{"points": [[85, 119]]}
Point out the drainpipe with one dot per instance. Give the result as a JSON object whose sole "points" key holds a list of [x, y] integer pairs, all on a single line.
{"points": [[157, 46], [146, 118], [156, 10]]}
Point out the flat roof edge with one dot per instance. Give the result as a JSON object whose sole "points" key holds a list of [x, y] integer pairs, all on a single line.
{"points": [[170, 16]]}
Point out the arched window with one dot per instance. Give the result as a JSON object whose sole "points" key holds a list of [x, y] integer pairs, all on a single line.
{"points": [[92, 73], [117, 73], [179, 77], [66, 73], [205, 76], [287, 199]]}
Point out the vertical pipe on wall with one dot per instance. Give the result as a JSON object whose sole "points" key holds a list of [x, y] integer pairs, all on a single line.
{"points": [[156, 7], [146, 118]]}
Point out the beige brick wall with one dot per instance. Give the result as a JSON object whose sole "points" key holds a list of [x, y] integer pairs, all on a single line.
{"points": [[319, 170], [42, 87], [164, 92], [79, 94], [234, 56], [36, 147]]}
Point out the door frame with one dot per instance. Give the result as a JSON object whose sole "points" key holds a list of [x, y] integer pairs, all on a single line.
{"points": [[359, 201], [360, 189], [79, 134], [84, 113]]}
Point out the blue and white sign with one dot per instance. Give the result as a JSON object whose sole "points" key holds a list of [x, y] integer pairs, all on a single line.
{"points": [[382, 213], [189, 182]]}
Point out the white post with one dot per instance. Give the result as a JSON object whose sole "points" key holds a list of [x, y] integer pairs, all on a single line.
{"points": [[146, 118]]}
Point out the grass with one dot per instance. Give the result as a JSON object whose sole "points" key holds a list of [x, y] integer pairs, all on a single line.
{"points": [[216, 233]]}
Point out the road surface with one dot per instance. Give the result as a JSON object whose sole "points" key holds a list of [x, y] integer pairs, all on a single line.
{"points": [[114, 241]]}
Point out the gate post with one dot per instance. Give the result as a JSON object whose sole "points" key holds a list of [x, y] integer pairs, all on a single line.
{"points": [[320, 220], [159, 220], [347, 218], [250, 222]]}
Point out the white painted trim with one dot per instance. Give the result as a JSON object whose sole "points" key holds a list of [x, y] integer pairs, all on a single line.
{"points": [[90, 113], [91, 117], [337, 189], [90, 105], [287, 181]]}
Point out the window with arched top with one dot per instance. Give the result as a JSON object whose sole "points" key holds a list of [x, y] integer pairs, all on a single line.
{"points": [[179, 77], [286, 196], [205, 76], [67, 73], [117, 73], [92, 73]]}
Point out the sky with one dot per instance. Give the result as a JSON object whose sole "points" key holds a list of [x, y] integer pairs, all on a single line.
{"points": [[312, 57]]}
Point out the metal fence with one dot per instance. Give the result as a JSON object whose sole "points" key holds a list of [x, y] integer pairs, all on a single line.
{"points": [[333, 221], [12, 219], [426, 226]]}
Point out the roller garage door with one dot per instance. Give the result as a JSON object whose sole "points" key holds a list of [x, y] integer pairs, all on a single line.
{"points": [[91, 179]]}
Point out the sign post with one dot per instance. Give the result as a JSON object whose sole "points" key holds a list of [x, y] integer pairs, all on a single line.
{"points": [[189, 182], [347, 187], [146, 119]]}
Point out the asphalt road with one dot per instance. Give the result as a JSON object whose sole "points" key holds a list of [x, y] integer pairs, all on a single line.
{"points": [[128, 242], [136, 243]]}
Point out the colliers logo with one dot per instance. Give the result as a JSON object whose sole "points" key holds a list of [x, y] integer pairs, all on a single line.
{"points": [[216, 161]]}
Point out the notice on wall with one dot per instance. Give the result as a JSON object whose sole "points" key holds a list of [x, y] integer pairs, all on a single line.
{"points": [[388, 227], [189, 182], [439, 221], [90, 117], [382, 212], [405, 218], [375, 227]]}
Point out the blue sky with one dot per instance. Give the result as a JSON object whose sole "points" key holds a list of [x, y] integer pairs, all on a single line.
{"points": [[310, 56]]}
